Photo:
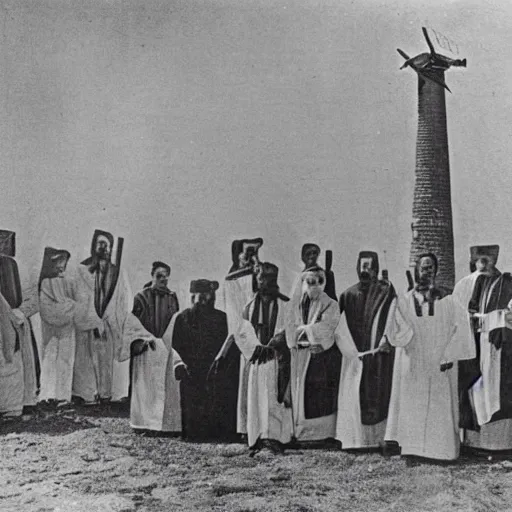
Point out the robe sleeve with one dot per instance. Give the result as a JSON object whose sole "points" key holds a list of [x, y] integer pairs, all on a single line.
{"points": [[398, 331], [322, 332], [56, 311], [246, 339], [126, 324], [461, 345]]}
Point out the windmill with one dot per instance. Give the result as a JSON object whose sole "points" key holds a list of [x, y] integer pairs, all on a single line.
{"points": [[432, 225]]}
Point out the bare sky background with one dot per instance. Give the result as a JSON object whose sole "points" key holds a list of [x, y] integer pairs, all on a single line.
{"points": [[181, 125]]}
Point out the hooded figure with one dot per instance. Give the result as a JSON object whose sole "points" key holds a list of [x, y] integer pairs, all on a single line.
{"points": [[366, 307], [430, 333], [485, 382], [310, 326], [208, 402], [239, 288], [105, 325], [57, 309], [20, 362], [269, 419]]}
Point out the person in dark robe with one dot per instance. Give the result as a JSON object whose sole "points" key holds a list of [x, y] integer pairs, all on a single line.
{"points": [[208, 402], [485, 383], [366, 306], [10, 288]]}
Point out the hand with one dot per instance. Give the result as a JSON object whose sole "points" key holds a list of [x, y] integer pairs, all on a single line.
{"points": [[385, 347], [181, 372], [152, 345], [316, 348], [446, 366], [138, 347]]}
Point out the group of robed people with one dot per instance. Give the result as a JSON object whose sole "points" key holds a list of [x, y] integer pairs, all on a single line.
{"points": [[371, 368]]}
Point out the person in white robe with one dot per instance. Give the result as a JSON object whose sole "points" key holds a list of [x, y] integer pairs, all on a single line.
{"points": [[486, 397], [57, 309], [26, 349], [103, 306], [311, 322], [269, 416], [430, 334], [239, 288]]}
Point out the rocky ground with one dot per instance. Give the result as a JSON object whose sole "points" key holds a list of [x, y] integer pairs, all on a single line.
{"points": [[89, 460]]}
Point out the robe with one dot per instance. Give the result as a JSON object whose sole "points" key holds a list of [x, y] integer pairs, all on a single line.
{"points": [[57, 310], [208, 402], [11, 364], [155, 392], [424, 412], [268, 416], [151, 388], [236, 294], [489, 419], [314, 386], [366, 311], [155, 309], [102, 342], [10, 288]]}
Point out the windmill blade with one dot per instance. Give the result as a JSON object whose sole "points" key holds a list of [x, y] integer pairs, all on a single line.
{"points": [[405, 56], [433, 77], [429, 42]]}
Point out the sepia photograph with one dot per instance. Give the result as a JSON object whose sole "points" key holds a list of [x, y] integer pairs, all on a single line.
{"points": [[255, 256]]}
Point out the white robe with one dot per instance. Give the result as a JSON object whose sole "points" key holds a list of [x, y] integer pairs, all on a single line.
{"points": [[57, 309], [485, 392], [349, 428], [424, 408], [11, 364], [155, 400], [323, 318], [236, 295], [102, 365], [266, 417]]}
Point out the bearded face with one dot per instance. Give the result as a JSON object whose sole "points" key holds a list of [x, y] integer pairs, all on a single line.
{"points": [[203, 300], [485, 265], [102, 250], [366, 270], [426, 271], [313, 284]]}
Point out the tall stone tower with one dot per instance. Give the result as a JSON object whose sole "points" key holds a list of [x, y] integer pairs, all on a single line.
{"points": [[432, 226]]}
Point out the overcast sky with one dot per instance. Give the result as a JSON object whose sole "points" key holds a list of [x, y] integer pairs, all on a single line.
{"points": [[181, 125]]}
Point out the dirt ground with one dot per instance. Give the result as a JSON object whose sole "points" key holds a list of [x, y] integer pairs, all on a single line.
{"points": [[89, 460]]}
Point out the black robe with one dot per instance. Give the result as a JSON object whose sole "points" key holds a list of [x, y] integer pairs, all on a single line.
{"points": [[361, 303], [322, 377], [469, 371], [208, 405]]}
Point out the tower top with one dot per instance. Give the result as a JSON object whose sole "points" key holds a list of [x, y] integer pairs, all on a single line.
{"points": [[431, 66]]}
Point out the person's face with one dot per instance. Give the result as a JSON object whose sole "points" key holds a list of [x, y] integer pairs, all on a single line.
{"points": [[102, 248], [484, 264], [426, 270], [248, 257], [60, 266], [160, 278], [265, 281], [366, 270], [314, 285], [203, 299], [311, 256]]}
